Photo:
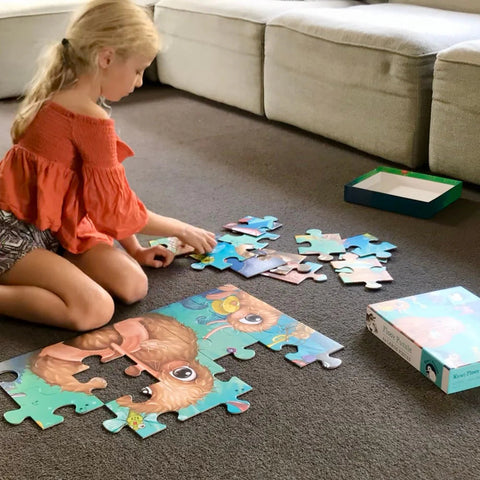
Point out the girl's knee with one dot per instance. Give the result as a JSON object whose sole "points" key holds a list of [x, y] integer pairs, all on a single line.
{"points": [[95, 311], [134, 288]]}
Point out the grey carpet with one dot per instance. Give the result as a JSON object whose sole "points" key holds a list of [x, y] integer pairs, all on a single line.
{"points": [[375, 417]]}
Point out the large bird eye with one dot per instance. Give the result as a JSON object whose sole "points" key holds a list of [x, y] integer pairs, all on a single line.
{"points": [[251, 319], [184, 374]]}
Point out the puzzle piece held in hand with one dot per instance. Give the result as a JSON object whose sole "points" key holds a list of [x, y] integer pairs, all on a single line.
{"points": [[322, 244], [217, 258], [297, 272], [365, 246], [173, 244], [368, 270]]}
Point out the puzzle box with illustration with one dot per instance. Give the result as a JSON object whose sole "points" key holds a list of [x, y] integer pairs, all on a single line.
{"points": [[436, 332]]}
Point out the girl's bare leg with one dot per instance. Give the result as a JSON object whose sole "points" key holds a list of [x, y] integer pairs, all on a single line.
{"points": [[43, 287], [116, 271]]}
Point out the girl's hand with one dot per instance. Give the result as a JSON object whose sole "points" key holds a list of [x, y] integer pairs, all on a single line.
{"points": [[157, 256], [201, 240]]}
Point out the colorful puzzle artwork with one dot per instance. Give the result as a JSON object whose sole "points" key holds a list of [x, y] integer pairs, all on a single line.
{"points": [[177, 345], [357, 262]]}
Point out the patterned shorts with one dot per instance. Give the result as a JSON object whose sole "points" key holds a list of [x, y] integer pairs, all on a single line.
{"points": [[17, 238]]}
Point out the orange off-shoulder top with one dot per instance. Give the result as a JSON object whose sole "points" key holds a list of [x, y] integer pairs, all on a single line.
{"points": [[65, 174]]}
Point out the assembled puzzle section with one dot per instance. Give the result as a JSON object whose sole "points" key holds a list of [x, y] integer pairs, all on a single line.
{"points": [[38, 395], [176, 345], [436, 332]]}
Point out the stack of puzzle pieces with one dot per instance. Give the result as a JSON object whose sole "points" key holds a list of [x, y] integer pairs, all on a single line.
{"points": [[177, 347], [361, 258]]}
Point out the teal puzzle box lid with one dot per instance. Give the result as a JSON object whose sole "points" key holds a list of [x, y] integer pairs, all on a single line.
{"points": [[401, 191], [437, 332]]}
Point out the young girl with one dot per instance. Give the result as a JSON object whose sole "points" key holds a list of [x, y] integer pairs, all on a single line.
{"points": [[64, 196]]}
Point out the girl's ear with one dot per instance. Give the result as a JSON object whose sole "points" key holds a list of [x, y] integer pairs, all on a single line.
{"points": [[106, 56]]}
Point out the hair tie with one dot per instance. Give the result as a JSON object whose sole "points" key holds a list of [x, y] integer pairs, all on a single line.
{"points": [[65, 42]]}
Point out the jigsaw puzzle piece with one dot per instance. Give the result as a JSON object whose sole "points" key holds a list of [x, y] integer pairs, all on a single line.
{"points": [[217, 258], [365, 246], [254, 226], [287, 256], [322, 244], [297, 272], [38, 399], [255, 242], [266, 223], [205, 392], [173, 244], [256, 265], [367, 270], [311, 345]]}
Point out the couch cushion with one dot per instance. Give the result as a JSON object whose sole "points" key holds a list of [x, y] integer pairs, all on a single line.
{"points": [[468, 6], [454, 138], [403, 29], [364, 73], [214, 48]]}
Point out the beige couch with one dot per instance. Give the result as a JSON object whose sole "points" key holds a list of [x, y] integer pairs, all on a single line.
{"points": [[361, 73]]}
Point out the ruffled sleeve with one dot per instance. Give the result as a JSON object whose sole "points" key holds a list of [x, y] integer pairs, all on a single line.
{"points": [[35, 188], [109, 201]]}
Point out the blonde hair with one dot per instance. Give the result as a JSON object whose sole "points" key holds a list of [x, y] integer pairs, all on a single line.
{"points": [[120, 24]]}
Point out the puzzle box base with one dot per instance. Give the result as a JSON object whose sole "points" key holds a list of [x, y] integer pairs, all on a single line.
{"points": [[400, 191], [437, 332]]}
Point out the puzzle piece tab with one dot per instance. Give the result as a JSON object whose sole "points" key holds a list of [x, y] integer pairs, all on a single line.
{"points": [[322, 244], [365, 245], [367, 270]]}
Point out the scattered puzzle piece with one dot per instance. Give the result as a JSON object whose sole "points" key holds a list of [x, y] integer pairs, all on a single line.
{"points": [[254, 226], [256, 265], [322, 244], [217, 258], [365, 246], [368, 270], [256, 242], [296, 273], [267, 222]]}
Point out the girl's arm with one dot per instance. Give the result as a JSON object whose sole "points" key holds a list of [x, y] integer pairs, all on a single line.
{"points": [[201, 240]]}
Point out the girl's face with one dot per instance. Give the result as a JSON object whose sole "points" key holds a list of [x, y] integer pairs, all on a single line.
{"points": [[120, 76]]}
